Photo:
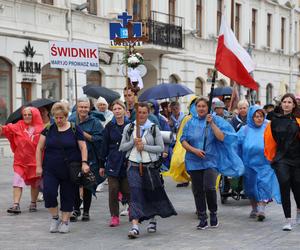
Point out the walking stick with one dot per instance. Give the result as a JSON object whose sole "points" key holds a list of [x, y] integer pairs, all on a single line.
{"points": [[209, 106]]}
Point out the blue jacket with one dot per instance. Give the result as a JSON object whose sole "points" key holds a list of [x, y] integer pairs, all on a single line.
{"points": [[112, 159], [260, 181], [221, 155], [93, 127]]}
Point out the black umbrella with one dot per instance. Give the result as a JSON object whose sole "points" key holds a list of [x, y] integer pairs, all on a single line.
{"points": [[165, 90], [38, 103], [97, 91], [222, 91]]}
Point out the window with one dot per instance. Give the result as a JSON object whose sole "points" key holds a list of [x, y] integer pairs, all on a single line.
{"points": [[92, 7], [199, 18], [172, 11], [237, 20], [296, 36], [51, 83], [269, 27], [5, 89], [199, 87], [282, 32], [219, 15], [253, 38], [93, 77], [269, 93], [48, 2], [174, 78], [139, 9]]}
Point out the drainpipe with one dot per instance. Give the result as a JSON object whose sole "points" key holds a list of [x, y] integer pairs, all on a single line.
{"points": [[70, 91], [160, 67], [291, 53]]}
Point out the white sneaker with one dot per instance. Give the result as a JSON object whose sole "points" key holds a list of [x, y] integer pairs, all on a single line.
{"points": [[54, 225], [40, 197], [64, 228], [124, 210], [287, 226], [100, 187]]}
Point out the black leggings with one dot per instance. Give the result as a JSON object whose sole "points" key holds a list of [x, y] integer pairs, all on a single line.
{"points": [[288, 178], [204, 190], [87, 200]]}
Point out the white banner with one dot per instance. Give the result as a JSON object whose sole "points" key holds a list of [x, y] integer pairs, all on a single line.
{"points": [[73, 55]]}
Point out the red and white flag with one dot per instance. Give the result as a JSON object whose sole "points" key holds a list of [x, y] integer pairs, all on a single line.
{"points": [[232, 59]]}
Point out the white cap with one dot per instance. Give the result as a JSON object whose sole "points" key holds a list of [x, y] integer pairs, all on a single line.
{"points": [[102, 100], [215, 99]]}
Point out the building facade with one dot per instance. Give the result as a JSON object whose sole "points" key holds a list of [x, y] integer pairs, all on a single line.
{"points": [[182, 40]]}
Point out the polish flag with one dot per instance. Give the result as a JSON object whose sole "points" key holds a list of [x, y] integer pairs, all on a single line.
{"points": [[232, 59]]}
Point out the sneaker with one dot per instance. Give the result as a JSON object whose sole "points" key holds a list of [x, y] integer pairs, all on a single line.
{"points": [[64, 228], [253, 214], [54, 225], [261, 213], [115, 221], [74, 216], [287, 226], [214, 220], [151, 228], [124, 210], [32, 207], [40, 197], [15, 209], [100, 187], [133, 233], [85, 217], [203, 222]]}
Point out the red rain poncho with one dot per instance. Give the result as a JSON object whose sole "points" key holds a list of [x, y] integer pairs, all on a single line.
{"points": [[23, 142]]}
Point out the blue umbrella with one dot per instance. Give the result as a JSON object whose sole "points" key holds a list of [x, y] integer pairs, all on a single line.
{"points": [[222, 91], [165, 90]]}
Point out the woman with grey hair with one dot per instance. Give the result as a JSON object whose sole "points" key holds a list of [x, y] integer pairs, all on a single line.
{"points": [[102, 107], [147, 195]]}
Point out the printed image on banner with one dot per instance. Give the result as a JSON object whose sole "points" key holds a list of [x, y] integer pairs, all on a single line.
{"points": [[73, 55], [125, 32]]}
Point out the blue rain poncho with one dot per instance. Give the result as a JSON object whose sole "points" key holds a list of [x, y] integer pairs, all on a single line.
{"points": [[260, 181], [221, 155]]}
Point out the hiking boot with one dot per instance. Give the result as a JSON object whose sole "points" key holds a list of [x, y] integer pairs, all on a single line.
{"points": [[54, 225], [214, 220], [74, 216], [133, 233], [115, 221], [64, 228], [85, 217], [15, 209], [32, 207]]}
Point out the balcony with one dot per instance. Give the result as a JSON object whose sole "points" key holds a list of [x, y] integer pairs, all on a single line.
{"points": [[165, 30]]}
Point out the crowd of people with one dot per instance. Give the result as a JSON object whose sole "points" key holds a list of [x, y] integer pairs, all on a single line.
{"points": [[97, 141]]}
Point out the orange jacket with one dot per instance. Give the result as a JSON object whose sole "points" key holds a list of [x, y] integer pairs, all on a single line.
{"points": [[270, 144]]}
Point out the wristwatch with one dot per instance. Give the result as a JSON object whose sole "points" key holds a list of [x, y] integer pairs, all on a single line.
{"points": [[85, 162]]}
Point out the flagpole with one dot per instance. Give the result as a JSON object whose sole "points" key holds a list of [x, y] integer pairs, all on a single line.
{"points": [[209, 105]]}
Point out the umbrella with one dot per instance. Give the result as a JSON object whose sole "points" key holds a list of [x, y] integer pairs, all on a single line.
{"points": [[38, 103], [165, 90], [222, 91], [97, 91]]}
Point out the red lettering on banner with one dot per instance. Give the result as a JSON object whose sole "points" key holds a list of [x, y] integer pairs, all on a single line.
{"points": [[82, 52], [63, 51], [74, 52], [93, 53], [53, 50]]}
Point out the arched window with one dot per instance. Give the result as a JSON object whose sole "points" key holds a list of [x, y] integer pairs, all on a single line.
{"points": [[199, 85], [51, 83], [222, 83], [269, 93], [94, 77], [174, 78], [5, 89]]}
